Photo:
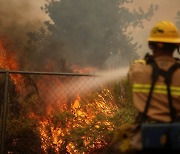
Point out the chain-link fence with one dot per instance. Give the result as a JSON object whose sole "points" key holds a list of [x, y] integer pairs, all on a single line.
{"points": [[40, 110]]}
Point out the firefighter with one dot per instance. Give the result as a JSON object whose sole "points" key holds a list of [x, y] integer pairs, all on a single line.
{"points": [[156, 84]]}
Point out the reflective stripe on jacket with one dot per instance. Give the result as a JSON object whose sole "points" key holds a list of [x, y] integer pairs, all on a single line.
{"points": [[158, 89], [140, 76]]}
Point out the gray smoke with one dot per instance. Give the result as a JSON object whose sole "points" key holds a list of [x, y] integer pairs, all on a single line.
{"points": [[84, 85], [17, 17], [86, 32]]}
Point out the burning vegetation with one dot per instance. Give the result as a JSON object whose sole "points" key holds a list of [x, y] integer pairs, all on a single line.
{"points": [[68, 113], [62, 114]]}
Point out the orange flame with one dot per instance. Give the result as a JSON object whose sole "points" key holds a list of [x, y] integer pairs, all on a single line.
{"points": [[83, 114], [9, 62]]}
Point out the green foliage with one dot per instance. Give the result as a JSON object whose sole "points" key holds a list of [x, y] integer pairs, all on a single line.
{"points": [[122, 93], [62, 118]]}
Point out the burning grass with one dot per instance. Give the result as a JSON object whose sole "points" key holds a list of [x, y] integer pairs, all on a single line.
{"points": [[86, 123], [62, 114]]}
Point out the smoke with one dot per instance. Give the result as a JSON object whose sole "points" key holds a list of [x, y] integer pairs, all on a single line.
{"points": [[17, 17], [82, 32], [166, 10], [89, 84], [85, 85], [86, 36], [86, 33]]}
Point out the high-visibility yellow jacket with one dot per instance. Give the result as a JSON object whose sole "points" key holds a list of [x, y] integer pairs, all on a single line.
{"points": [[140, 77]]}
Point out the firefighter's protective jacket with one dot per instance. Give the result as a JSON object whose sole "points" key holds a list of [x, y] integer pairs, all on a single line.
{"points": [[140, 77]]}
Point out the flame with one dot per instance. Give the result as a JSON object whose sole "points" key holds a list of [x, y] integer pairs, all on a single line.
{"points": [[8, 61], [82, 115], [83, 108]]}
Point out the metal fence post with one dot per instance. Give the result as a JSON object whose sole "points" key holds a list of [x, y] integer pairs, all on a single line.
{"points": [[4, 114]]}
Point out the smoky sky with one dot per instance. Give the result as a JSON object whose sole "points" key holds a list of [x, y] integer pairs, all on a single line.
{"points": [[17, 17], [23, 16], [167, 10]]}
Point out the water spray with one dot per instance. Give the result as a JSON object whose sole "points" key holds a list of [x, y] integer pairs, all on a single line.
{"points": [[87, 84]]}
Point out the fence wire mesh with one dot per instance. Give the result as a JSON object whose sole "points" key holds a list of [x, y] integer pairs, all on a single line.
{"points": [[43, 111]]}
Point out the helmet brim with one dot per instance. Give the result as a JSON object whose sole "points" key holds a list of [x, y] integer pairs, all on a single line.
{"points": [[165, 40]]}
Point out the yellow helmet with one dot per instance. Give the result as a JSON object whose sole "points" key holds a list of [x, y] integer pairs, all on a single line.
{"points": [[165, 32]]}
